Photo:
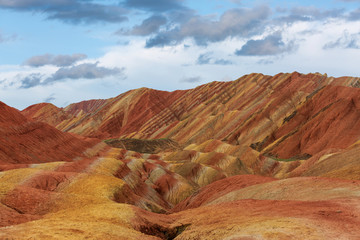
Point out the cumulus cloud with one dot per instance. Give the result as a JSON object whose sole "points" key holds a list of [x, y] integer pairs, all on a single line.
{"points": [[347, 40], [239, 22], [265, 61], [56, 60], [70, 11], [354, 15], [270, 45], [148, 26], [85, 70], [172, 23], [50, 98], [90, 13], [206, 58], [191, 79], [32, 80], [82, 71], [233, 23], [222, 62], [155, 5], [308, 13]]}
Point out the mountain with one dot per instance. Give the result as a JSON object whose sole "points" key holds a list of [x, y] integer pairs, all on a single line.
{"points": [[24, 141], [261, 157], [269, 123]]}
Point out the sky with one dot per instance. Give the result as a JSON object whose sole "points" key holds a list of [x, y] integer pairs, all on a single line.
{"points": [[66, 51]]}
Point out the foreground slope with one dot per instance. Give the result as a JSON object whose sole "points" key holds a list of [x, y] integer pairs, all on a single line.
{"points": [[90, 200]]}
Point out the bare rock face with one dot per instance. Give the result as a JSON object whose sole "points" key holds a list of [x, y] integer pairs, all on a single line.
{"points": [[25, 141], [46, 112], [261, 157], [329, 119]]}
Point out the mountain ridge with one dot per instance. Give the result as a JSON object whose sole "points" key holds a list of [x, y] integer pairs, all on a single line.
{"points": [[261, 157], [255, 112]]}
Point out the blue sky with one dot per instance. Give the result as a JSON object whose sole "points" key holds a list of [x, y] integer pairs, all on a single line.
{"points": [[65, 51]]}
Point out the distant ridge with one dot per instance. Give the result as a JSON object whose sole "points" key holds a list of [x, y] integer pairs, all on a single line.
{"points": [[286, 116]]}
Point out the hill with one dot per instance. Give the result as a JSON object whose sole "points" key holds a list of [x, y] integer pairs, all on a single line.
{"points": [[24, 141], [261, 157]]}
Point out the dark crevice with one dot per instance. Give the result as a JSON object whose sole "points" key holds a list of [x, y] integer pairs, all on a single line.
{"points": [[323, 110], [304, 156], [152, 146], [288, 118], [282, 139], [313, 93], [13, 208], [163, 232], [259, 146]]}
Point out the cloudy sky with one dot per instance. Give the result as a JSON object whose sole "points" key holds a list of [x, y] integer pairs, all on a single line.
{"points": [[65, 51]]}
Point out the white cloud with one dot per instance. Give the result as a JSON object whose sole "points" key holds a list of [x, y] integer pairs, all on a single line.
{"points": [[166, 68]]}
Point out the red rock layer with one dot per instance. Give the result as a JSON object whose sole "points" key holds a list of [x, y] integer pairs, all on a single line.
{"points": [[85, 106], [23, 141], [218, 189], [45, 112], [330, 119]]}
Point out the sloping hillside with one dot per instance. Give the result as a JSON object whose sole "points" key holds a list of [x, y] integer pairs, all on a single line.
{"points": [[24, 141], [115, 196], [271, 124], [261, 157]]}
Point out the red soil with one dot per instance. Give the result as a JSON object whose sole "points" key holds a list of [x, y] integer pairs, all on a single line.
{"points": [[45, 112], [218, 189], [26, 200], [88, 106], [331, 119], [24, 141], [6, 167], [49, 181], [76, 166], [165, 183], [10, 216]]}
